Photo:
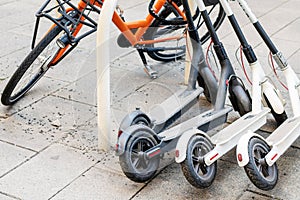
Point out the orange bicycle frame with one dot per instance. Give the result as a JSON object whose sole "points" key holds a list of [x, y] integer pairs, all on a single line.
{"points": [[125, 27]]}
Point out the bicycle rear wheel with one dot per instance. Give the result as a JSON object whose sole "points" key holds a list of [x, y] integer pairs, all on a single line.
{"points": [[34, 66], [171, 50]]}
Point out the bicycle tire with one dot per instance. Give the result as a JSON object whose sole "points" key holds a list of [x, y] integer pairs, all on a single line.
{"points": [[9, 97], [156, 30]]}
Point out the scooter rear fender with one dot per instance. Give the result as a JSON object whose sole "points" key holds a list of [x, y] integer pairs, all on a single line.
{"points": [[273, 96], [183, 141], [242, 152]]}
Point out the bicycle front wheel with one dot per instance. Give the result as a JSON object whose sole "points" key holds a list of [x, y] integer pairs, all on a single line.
{"points": [[175, 48], [34, 66]]}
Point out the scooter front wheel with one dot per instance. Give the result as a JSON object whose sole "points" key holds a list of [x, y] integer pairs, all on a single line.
{"points": [[134, 161], [259, 172], [194, 168]]}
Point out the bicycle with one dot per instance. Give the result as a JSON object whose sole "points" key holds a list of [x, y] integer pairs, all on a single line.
{"points": [[165, 18]]}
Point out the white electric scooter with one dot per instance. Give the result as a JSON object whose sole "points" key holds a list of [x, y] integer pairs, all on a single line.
{"points": [[257, 155], [197, 151]]}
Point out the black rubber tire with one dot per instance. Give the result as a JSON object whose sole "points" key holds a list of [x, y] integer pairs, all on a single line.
{"points": [[261, 175], [244, 105], [156, 30], [140, 141], [195, 171], [239, 97], [202, 84], [8, 97], [279, 118], [140, 120]]}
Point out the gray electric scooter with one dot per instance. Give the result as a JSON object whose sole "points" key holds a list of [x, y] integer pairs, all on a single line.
{"points": [[143, 138]]}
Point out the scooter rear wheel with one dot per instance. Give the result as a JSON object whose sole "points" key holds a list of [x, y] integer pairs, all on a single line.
{"points": [[134, 162], [259, 172], [194, 169]]}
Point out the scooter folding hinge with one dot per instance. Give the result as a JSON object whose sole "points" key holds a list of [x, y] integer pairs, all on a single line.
{"points": [[281, 61]]}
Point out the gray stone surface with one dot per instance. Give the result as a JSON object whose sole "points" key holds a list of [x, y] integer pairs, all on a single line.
{"points": [[48, 140], [45, 174], [12, 156], [97, 184]]}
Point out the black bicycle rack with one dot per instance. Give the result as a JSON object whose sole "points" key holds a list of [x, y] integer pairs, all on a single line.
{"points": [[57, 13]]}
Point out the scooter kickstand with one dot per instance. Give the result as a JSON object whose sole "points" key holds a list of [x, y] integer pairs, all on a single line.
{"points": [[147, 68]]}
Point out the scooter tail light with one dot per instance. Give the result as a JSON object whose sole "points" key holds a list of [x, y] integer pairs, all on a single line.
{"points": [[177, 153], [240, 157], [274, 156], [120, 133], [213, 157], [117, 147]]}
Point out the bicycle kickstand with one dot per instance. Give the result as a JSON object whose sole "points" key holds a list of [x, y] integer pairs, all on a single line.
{"points": [[147, 68]]}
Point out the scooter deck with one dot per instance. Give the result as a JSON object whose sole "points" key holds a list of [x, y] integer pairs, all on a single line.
{"points": [[198, 121], [174, 104], [284, 136], [228, 138], [284, 131]]}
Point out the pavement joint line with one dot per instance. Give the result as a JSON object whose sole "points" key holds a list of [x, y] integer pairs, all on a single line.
{"points": [[73, 100], [279, 29], [14, 51], [85, 150], [26, 106], [146, 183], [262, 194], [6, 3], [242, 193], [89, 168], [295, 147], [258, 17], [272, 9], [297, 51], [29, 158], [16, 145], [11, 196], [123, 55], [57, 79]]}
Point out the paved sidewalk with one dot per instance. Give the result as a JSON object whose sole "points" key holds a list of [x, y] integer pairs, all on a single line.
{"points": [[48, 140]]}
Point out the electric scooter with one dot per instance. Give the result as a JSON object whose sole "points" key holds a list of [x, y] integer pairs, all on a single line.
{"points": [[197, 151], [144, 138], [257, 155]]}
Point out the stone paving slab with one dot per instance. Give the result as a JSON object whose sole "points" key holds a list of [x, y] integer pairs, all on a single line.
{"points": [[64, 161], [76, 65], [42, 89], [39, 125], [122, 71], [97, 184], [171, 184], [12, 156], [54, 169]]}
